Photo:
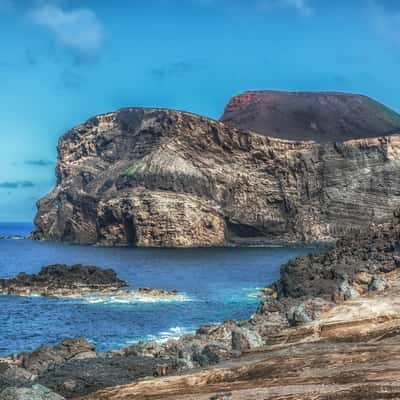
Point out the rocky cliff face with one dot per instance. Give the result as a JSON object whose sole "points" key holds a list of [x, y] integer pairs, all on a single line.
{"points": [[322, 117], [151, 177]]}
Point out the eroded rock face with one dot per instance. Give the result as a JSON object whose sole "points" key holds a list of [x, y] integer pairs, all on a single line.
{"points": [[319, 116], [165, 178]]}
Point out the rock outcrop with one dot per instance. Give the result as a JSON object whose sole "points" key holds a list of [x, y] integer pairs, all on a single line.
{"points": [[39, 360], [150, 177], [319, 116], [74, 367], [14, 237], [79, 281], [63, 280]]}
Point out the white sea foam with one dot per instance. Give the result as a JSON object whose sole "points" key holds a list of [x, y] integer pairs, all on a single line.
{"points": [[173, 333], [131, 298], [254, 292], [244, 293]]}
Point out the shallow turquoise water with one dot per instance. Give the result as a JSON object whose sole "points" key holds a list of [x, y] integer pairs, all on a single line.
{"points": [[219, 284]]}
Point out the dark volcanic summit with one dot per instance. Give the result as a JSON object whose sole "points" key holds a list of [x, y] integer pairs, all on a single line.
{"points": [[322, 117]]}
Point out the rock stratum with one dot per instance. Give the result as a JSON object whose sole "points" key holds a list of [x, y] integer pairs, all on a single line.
{"points": [[319, 116], [152, 177]]}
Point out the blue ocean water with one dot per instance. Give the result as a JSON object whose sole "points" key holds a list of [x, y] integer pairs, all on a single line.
{"points": [[15, 228], [219, 284]]}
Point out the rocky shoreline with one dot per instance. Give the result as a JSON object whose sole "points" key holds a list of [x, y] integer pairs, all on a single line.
{"points": [[345, 295], [78, 281], [15, 237]]}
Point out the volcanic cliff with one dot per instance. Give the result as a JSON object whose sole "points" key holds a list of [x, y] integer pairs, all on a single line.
{"points": [[319, 116], [154, 177]]}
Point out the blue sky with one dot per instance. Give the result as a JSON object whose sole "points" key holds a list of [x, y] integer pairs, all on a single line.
{"points": [[62, 61]]}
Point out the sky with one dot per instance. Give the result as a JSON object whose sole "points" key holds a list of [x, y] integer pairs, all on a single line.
{"points": [[63, 61]]}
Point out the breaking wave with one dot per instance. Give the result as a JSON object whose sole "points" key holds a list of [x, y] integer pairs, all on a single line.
{"points": [[131, 298]]}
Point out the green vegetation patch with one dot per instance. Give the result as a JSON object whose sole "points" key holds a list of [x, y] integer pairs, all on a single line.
{"points": [[134, 168]]}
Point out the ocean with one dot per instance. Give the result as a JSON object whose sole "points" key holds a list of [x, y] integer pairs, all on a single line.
{"points": [[218, 284]]}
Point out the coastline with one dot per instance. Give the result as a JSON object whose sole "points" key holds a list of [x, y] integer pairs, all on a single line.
{"points": [[336, 296]]}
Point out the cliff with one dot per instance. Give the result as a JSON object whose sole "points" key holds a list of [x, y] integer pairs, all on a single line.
{"points": [[152, 177], [319, 116]]}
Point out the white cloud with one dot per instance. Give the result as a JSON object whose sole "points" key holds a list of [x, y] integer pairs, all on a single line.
{"points": [[387, 23], [78, 30], [302, 7]]}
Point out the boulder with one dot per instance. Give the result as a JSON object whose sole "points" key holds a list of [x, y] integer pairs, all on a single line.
{"points": [[378, 284], [307, 311], [36, 392], [69, 349], [348, 291], [16, 377], [244, 339], [221, 396]]}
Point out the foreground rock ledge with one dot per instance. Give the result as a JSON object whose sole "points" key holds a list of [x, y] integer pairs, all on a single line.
{"points": [[79, 281], [151, 177]]}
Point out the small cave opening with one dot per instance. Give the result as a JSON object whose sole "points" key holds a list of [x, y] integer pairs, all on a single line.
{"points": [[242, 230], [130, 230]]}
